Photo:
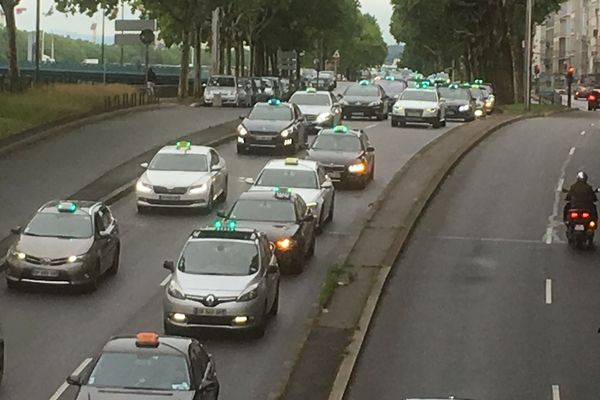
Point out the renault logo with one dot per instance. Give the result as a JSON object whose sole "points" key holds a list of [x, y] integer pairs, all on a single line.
{"points": [[210, 300]]}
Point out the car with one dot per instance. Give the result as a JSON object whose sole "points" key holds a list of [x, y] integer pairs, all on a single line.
{"points": [[582, 92], [224, 278], [148, 366], [66, 243], [393, 88], [460, 105], [321, 108], [419, 105], [366, 100], [287, 89], [305, 178], [323, 80], [261, 86], [286, 220], [346, 155], [490, 100], [272, 86], [183, 176], [274, 126], [225, 86], [248, 91]]}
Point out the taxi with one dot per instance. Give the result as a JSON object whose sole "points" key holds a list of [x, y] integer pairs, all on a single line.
{"points": [[286, 220], [65, 243], [183, 176], [225, 278], [304, 177], [366, 100], [148, 366], [320, 108]]}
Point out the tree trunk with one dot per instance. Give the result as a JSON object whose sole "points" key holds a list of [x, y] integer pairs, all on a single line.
{"points": [[238, 70], [259, 59], [222, 47], [198, 63], [228, 50], [242, 58], [11, 28], [185, 66]]}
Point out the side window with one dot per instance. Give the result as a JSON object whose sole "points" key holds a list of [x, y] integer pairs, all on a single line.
{"points": [[98, 221], [300, 207], [321, 175], [265, 248], [214, 158], [297, 111]]}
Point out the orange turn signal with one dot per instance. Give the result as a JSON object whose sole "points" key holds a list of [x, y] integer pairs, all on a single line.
{"points": [[283, 244]]}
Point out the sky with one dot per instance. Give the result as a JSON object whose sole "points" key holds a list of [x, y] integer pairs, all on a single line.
{"points": [[79, 25]]}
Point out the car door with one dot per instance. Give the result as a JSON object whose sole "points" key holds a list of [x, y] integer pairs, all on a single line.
{"points": [[326, 193], [219, 176], [307, 230], [201, 375], [366, 145], [300, 123]]}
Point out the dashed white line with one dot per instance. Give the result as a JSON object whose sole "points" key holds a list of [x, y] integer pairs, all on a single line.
{"points": [[572, 151], [61, 390], [166, 280], [494, 240], [371, 126], [583, 133], [555, 392], [548, 291]]}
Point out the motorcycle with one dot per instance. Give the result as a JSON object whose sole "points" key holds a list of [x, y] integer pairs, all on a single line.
{"points": [[581, 227]]}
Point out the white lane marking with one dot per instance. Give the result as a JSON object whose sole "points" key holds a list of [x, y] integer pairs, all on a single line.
{"points": [[494, 240], [548, 291], [549, 234], [561, 183], [583, 133], [61, 390], [555, 392], [371, 126], [166, 280], [572, 151]]}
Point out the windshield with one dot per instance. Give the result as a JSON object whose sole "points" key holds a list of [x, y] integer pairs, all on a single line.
{"points": [[309, 72], [455, 94], [141, 370], [271, 113], [393, 88], [477, 93], [264, 210], [222, 81], [326, 74], [179, 162], [219, 257], [305, 99], [292, 178], [67, 225], [419, 95], [362, 90], [344, 143]]}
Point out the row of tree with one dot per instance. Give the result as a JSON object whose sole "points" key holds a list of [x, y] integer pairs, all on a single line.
{"points": [[315, 29], [480, 38]]}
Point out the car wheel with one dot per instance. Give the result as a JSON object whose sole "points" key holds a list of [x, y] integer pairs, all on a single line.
{"points": [[394, 122], [379, 117], [444, 123], [275, 307], [259, 331], [209, 204], [402, 124], [436, 124], [114, 267], [320, 222], [331, 210], [142, 209], [12, 285], [223, 195], [94, 283]]}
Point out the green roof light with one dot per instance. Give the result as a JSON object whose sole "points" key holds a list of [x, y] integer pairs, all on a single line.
{"points": [[311, 90], [218, 224], [231, 225], [183, 145], [478, 81], [390, 78], [274, 102], [340, 129], [69, 207], [364, 83]]}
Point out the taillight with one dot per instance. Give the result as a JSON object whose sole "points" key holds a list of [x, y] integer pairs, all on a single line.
{"points": [[574, 215], [585, 215], [592, 98]]}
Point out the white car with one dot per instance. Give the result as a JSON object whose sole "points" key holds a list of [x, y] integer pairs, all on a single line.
{"points": [[306, 178], [183, 176], [419, 105]]}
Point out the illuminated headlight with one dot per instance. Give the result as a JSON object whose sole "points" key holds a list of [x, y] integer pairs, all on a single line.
{"points": [[19, 255], [488, 103], [288, 142], [323, 117], [375, 103], [464, 108], [240, 320], [249, 294], [431, 110], [240, 140], [179, 317], [242, 131], [74, 259], [287, 132], [175, 290], [197, 189], [358, 168], [284, 244], [143, 187], [478, 113]]}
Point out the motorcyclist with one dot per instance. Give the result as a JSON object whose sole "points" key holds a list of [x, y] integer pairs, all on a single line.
{"points": [[581, 196]]}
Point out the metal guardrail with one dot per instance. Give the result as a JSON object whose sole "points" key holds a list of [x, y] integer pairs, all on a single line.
{"points": [[129, 100]]}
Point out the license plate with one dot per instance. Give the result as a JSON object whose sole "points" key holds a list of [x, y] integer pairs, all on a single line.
{"points": [[209, 311], [168, 197], [413, 114], [44, 273], [579, 228], [449, 112], [263, 138]]}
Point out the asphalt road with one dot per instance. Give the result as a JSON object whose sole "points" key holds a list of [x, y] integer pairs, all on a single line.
{"points": [[487, 301], [49, 334], [63, 164]]}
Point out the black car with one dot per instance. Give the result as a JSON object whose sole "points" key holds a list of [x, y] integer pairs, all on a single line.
{"points": [[393, 88], [274, 126], [346, 155], [286, 220], [366, 100], [321, 108], [323, 80], [460, 104], [272, 86], [261, 90], [65, 243], [150, 367]]}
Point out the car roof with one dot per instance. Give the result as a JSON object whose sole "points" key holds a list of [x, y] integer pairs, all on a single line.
{"points": [[265, 104], [194, 149], [351, 132], [166, 345], [308, 165], [264, 195], [84, 207], [326, 92]]}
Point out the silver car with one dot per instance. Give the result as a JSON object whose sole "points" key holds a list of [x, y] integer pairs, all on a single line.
{"points": [[225, 86], [224, 278], [419, 105], [183, 176], [320, 108]]}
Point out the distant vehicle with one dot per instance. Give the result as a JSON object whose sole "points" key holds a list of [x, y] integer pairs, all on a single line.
{"points": [[320, 108], [366, 100], [393, 87], [272, 86], [459, 103], [582, 92], [248, 91], [419, 105], [226, 87], [90, 61]]}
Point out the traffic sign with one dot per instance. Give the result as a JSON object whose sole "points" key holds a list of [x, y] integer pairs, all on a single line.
{"points": [[336, 55], [147, 37], [127, 39], [135, 24]]}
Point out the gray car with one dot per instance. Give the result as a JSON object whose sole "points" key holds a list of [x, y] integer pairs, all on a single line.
{"points": [[224, 278], [225, 86]]}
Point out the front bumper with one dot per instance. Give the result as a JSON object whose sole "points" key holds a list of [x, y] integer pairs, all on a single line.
{"points": [[231, 100], [251, 141], [172, 200], [77, 273], [364, 110], [199, 316], [414, 116], [456, 114], [340, 174]]}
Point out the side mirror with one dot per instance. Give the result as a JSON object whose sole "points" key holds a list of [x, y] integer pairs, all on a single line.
{"points": [[74, 379], [249, 181], [222, 214], [16, 230], [144, 165], [370, 149], [273, 268], [311, 205], [208, 386], [216, 168], [327, 185], [242, 117], [169, 265], [309, 217]]}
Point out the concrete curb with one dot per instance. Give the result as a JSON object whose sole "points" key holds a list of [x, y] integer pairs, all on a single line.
{"points": [[27, 137]]}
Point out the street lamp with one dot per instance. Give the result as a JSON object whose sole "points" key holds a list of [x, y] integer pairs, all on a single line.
{"points": [[37, 41], [528, 23]]}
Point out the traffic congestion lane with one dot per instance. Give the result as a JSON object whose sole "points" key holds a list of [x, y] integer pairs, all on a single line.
{"points": [[63, 164], [468, 310], [60, 331]]}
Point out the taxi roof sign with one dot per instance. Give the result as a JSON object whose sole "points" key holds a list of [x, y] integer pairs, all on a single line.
{"points": [[67, 206], [274, 102], [146, 339], [183, 145], [364, 83], [282, 193], [291, 161], [311, 90], [340, 129], [390, 78]]}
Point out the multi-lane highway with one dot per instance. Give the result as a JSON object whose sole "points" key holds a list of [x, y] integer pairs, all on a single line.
{"points": [[49, 333], [488, 302]]}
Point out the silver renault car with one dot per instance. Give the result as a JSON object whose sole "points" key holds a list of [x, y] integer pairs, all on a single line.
{"points": [[224, 278]]}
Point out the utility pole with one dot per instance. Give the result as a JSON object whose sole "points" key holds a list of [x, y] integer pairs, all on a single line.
{"points": [[102, 58], [528, 23], [216, 40], [122, 61], [37, 42]]}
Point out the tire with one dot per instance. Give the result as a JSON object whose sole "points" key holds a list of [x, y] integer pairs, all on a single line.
{"points": [[331, 211], [379, 117], [275, 307], [142, 209], [444, 123], [114, 268], [394, 122], [210, 205], [12, 285], [402, 124], [223, 196], [94, 284], [436, 124], [319, 227], [259, 331]]}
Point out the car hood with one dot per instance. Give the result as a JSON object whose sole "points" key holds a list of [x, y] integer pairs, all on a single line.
{"points": [[417, 104], [313, 110], [273, 230], [172, 179], [54, 248], [220, 89], [362, 99], [257, 125], [333, 157], [456, 102], [218, 285], [308, 195], [92, 393]]}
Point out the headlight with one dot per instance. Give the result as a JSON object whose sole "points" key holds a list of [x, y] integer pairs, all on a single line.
{"points": [[249, 294], [358, 168], [175, 290], [398, 108], [74, 259], [323, 117], [287, 132], [431, 110], [284, 244], [14, 253], [242, 131], [464, 108], [197, 189], [143, 187], [488, 104], [375, 103], [478, 113]]}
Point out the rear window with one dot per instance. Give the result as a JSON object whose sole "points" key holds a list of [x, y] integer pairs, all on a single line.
{"points": [[307, 99], [264, 210], [454, 94], [222, 81], [293, 178], [419, 95]]}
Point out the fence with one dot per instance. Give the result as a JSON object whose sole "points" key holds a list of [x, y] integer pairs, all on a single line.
{"points": [[128, 100]]}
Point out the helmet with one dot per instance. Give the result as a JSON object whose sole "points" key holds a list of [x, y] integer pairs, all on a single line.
{"points": [[582, 177]]}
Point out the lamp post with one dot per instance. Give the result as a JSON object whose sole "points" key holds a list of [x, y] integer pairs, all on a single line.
{"points": [[102, 58], [528, 22], [37, 41]]}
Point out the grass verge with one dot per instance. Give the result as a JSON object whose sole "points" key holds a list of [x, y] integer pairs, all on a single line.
{"points": [[536, 109], [331, 282], [42, 105]]}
